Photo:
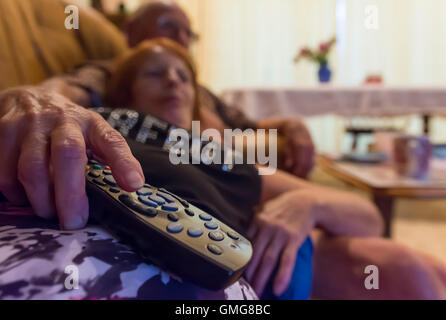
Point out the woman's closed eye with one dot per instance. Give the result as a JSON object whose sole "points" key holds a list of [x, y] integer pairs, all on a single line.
{"points": [[154, 73], [183, 76]]}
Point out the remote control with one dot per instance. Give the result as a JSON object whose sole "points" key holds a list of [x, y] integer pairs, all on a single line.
{"points": [[167, 230]]}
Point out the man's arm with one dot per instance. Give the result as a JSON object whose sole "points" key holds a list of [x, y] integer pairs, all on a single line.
{"points": [[297, 151], [86, 86]]}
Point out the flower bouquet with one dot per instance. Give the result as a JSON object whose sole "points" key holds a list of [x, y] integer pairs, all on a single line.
{"points": [[320, 56]]}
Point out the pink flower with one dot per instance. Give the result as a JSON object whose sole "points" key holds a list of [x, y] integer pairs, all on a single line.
{"points": [[323, 47]]}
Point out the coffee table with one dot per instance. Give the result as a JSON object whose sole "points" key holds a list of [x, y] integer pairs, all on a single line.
{"points": [[385, 185]]}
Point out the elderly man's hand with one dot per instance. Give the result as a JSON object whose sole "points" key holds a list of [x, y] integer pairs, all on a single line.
{"points": [[277, 233], [44, 140], [299, 147]]}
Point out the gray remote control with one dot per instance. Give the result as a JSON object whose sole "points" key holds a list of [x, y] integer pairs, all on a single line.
{"points": [[167, 230]]}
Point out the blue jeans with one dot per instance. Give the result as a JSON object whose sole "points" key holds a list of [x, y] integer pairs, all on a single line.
{"points": [[300, 284]]}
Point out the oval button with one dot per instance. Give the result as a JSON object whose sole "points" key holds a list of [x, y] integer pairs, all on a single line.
{"points": [[216, 236], [194, 232], [144, 192], [215, 249], [205, 217], [233, 235], [174, 227], [211, 225]]}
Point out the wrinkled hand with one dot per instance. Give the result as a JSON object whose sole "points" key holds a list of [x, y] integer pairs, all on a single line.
{"points": [[299, 148], [279, 230], [44, 140]]}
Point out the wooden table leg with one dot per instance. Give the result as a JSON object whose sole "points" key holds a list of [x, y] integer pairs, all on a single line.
{"points": [[385, 205], [426, 124]]}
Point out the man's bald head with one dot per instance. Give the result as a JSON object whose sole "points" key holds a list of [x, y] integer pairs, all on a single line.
{"points": [[160, 19]]}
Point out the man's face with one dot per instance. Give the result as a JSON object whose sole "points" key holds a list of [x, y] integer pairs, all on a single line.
{"points": [[169, 23], [175, 25]]}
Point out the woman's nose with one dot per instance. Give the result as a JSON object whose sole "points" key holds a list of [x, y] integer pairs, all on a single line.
{"points": [[172, 76]]}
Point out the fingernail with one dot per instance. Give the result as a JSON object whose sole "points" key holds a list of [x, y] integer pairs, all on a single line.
{"points": [[134, 180], [74, 222]]}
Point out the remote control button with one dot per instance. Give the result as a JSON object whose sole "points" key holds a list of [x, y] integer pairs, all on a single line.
{"points": [[110, 181], [189, 212], [87, 167], [157, 199], [216, 235], [150, 212], [107, 172], [126, 200], [172, 217], [184, 203], [92, 162], [147, 202], [113, 190], [211, 225], [99, 183], [233, 235], [144, 192], [175, 227], [215, 249], [107, 168], [165, 196], [205, 217], [194, 232], [97, 167], [94, 174], [171, 207]]}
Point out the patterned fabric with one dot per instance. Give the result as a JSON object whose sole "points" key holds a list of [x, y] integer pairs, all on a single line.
{"points": [[38, 261]]}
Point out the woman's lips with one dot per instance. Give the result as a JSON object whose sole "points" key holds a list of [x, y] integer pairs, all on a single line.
{"points": [[172, 99]]}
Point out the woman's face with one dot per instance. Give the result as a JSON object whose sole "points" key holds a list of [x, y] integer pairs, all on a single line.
{"points": [[164, 88]]}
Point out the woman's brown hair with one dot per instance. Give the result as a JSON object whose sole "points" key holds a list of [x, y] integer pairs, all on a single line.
{"points": [[119, 88]]}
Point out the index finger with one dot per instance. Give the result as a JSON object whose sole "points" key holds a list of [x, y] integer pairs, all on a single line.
{"points": [[111, 146], [286, 268]]}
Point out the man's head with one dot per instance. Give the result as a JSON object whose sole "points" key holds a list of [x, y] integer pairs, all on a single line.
{"points": [[160, 19]]}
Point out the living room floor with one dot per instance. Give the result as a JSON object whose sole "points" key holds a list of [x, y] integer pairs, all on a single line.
{"points": [[419, 224]]}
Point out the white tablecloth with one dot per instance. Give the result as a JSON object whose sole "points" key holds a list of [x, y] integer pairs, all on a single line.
{"points": [[259, 103]]}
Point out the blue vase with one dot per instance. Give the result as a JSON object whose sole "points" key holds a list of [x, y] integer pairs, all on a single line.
{"points": [[324, 73]]}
